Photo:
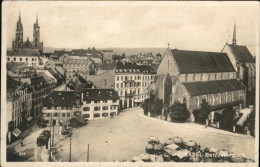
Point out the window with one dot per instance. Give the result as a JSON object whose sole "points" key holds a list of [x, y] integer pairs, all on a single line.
{"points": [[87, 94], [8, 59], [113, 107], [88, 101], [14, 59], [86, 108], [63, 114], [114, 101], [122, 78], [112, 113], [117, 85], [32, 59], [21, 59], [96, 108], [86, 115], [56, 114], [96, 115], [26, 59], [68, 114], [105, 108], [104, 101], [122, 85], [208, 76], [186, 77], [97, 101], [76, 113], [104, 114], [197, 102]]}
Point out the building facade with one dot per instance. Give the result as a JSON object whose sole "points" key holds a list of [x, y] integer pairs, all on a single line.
{"points": [[19, 103], [91, 104], [132, 82]]}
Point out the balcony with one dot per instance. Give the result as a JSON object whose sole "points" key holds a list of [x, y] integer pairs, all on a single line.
{"points": [[129, 94]]}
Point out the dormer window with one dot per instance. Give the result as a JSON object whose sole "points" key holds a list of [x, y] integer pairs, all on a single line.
{"points": [[99, 93], [125, 70], [87, 94], [110, 93]]}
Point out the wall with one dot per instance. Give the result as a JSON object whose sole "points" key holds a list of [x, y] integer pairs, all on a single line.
{"points": [[30, 62], [231, 57], [163, 67]]}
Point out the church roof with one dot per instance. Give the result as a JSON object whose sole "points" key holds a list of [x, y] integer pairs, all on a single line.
{"points": [[202, 62], [241, 53], [211, 87]]}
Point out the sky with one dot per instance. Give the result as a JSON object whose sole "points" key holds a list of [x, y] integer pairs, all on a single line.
{"points": [[204, 26]]}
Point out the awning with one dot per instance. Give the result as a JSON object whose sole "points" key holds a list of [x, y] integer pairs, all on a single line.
{"points": [[172, 146], [16, 132], [29, 118], [182, 153]]}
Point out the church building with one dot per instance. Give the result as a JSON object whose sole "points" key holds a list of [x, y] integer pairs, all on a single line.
{"points": [[197, 75], [26, 51]]}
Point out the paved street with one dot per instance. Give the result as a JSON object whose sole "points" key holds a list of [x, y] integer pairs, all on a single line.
{"points": [[129, 134]]}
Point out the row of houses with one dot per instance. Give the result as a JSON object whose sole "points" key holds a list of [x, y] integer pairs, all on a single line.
{"points": [[26, 88], [90, 103]]}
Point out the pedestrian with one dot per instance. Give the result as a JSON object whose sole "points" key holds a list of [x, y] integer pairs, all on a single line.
{"points": [[22, 143]]}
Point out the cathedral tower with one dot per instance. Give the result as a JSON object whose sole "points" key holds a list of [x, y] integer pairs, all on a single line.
{"points": [[36, 33], [19, 32]]}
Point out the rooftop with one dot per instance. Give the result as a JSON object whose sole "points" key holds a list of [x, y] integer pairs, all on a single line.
{"points": [[100, 94], [202, 62], [59, 99], [211, 87], [241, 53]]}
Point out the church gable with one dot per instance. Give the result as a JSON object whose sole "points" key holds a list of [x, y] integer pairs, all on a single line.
{"points": [[168, 65]]}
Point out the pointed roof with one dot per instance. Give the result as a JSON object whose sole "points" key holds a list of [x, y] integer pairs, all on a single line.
{"points": [[19, 25], [234, 41], [241, 53]]}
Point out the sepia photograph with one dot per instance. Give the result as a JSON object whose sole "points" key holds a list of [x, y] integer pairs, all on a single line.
{"points": [[168, 83]]}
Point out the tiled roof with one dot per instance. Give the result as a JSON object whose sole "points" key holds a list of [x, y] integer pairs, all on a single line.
{"points": [[131, 66], [12, 84], [53, 73], [35, 81], [59, 99], [104, 80], [100, 94], [211, 87], [202, 62], [241, 53], [31, 52], [61, 52]]}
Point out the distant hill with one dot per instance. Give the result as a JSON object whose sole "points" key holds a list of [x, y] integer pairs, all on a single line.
{"points": [[119, 51], [51, 49]]}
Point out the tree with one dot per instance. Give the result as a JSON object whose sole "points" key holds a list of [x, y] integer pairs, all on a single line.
{"points": [[145, 106], [203, 113], [179, 112], [228, 118]]}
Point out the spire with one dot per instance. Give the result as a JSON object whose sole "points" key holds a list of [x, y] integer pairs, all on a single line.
{"points": [[37, 19], [19, 17], [234, 41]]}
